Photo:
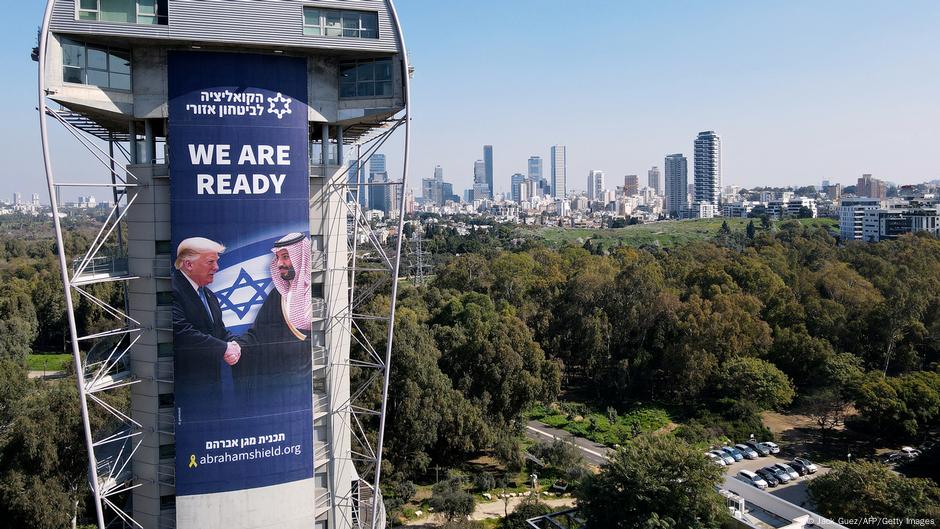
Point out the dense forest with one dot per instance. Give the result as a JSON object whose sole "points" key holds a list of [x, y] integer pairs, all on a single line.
{"points": [[781, 317]]}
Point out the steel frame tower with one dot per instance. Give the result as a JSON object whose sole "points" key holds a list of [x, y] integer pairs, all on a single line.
{"points": [[121, 455]]}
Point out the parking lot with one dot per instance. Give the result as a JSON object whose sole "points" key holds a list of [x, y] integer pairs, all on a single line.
{"points": [[793, 492]]}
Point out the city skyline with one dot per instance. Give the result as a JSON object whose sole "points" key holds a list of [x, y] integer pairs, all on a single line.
{"points": [[812, 81]]}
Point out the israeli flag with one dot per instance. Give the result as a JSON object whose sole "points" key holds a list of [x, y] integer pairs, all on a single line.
{"points": [[243, 284]]}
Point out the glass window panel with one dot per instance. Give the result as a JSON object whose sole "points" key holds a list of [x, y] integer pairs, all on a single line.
{"points": [[311, 17], [146, 7], [347, 71], [350, 32], [365, 89], [97, 58], [351, 20], [97, 78], [119, 62], [121, 81], [72, 74], [369, 21], [334, 24], [88, 4], [369, 34], [365, 71], [383, 89], [73, 53], [118, 10], [312, 30], [146, 19], [88, 15], [383, 70], [347, 90]]}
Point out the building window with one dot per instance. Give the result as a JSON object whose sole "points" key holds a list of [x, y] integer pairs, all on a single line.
{"points": [[167, 451], [95, 65], [164, 350], [127, 11], [167, 502], [365, 78], [164, 299], [335, 23], [166, 400]]}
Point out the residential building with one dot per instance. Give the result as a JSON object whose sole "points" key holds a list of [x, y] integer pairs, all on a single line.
{"points": [[654, 180], [707, 172], [488, 167], [559, 171], [792, 207], [852, 216], [871, 187], [595, 185], [676, 185], [631, 185]]}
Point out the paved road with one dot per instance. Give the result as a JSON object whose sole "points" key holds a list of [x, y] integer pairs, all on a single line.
{"points": [[594, 453]]}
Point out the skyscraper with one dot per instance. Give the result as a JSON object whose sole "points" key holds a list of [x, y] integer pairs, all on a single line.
{"points": [[631, 185], [377, 163], [677, 180], [535, 168], [707, 173], [559, 171], [653, 180], [517, 182], [595, 185], [488, 165], [479, 172]]}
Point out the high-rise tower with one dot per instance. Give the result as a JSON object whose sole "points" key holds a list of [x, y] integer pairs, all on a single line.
{"points": [[654, 180], [677, 184], [488, 167], [559, 171], [254, 102], [707, 174]]}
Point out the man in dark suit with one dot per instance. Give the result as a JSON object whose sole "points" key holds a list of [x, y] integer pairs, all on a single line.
{"points": [[205, 352]]}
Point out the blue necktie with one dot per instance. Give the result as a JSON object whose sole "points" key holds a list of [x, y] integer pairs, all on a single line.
{"points": [[205, 303]]}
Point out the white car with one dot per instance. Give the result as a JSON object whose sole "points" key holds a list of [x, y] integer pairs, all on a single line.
{"points": [[715, 459], [909, 452], [774, 449], [749, 477]]}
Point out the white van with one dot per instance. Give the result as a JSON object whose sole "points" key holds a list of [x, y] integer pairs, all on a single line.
{"points": [[749, 477]]}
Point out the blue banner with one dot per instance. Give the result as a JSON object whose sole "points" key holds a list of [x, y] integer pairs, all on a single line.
{"points": [[239, 188]]}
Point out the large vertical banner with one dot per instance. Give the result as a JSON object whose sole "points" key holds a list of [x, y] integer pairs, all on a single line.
{"points": [[241, 280]]}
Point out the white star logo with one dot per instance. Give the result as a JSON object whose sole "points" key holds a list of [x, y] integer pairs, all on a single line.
{"points": [[279, 111]]}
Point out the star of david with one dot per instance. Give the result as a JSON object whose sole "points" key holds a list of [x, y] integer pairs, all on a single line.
{"points": [[244, 280], [279, 111]]}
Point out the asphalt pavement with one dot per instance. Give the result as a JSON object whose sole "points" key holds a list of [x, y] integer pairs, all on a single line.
{"points": [[594, 453]]}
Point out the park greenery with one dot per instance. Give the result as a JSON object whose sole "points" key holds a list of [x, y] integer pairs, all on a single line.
{"points": [[647, 346]]}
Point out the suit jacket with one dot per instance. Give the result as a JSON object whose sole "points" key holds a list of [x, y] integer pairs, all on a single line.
{"points": [[199, 343]]}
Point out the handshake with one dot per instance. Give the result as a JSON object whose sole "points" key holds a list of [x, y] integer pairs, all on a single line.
{"points": [[232, 353]]}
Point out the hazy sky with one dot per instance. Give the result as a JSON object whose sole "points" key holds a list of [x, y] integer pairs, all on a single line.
{"points": [[798, 91]]}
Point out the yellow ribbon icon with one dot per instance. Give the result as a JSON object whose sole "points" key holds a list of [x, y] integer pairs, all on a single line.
{"points": [[192, 461]]}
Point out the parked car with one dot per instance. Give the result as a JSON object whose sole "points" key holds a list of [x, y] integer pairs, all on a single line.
{"points": [[909, 452], [724, 456], [715, 459], [774, 449], [733, 452], [788, 469], [768, 476], [800, 469], [810, 467], [782, 475], [748, 452], [749, 477], [760, 448]]}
